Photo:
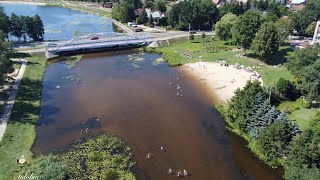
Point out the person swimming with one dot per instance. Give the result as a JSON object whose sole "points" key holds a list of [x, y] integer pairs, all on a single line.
{"points": [[148, 155], [185, 173]]}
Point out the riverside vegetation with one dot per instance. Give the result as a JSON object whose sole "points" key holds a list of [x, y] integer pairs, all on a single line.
{"points": [[99, 157]]}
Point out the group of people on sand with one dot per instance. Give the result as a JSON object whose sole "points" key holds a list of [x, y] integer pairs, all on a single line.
{"points": [[179, 173]]}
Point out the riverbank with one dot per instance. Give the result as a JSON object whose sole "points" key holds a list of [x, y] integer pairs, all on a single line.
{"points": [[222, 80], [180, 52], [20, 132], [25, 2], [85, 7]]}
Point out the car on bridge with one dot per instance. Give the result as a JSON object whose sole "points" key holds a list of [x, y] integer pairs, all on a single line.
{"points": [[95, 38]]}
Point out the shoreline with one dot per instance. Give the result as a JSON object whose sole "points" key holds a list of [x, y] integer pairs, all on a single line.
{"points": [[24, 2], [222, 81]]}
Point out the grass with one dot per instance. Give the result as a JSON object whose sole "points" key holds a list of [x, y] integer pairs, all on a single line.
{"points": [[269, 73], [303, 117], [299, 111], [20, 133]]}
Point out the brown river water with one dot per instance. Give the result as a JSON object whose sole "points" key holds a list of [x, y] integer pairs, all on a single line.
{"points": [[136, 99]]}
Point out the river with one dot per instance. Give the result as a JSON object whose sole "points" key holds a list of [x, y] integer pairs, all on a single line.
{"points": [[137, 97]]}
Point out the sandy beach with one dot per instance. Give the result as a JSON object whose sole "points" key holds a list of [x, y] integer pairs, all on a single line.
{"points": [[221, 80], [24, 2]]}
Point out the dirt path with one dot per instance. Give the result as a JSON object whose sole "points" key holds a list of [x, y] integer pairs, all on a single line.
{"points": [[9, 104]]}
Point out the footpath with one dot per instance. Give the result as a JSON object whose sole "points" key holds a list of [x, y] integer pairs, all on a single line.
{"points": [[10, 102]]}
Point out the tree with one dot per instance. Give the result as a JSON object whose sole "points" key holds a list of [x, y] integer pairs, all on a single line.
{"points": [[284, 87], [302, 58], [223, 26], [310, 81], [273, 141], [16, 28], [303, 155], [270, 17], [284, 27], [150, 21], [240, 105], [35, 30], [266, 42], [200, 13], [4, 23], [246, 27], [160, 5], [310, 29], [144, 17]]}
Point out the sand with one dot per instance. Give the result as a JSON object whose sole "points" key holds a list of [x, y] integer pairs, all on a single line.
{"points": [[222, 80], [24, 2]]}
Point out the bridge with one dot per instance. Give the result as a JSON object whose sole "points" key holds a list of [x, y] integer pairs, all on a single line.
{"points": [[96, 42]]}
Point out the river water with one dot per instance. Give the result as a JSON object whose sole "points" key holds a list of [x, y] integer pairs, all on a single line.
{"points": [[61, 23], [136, 97]]}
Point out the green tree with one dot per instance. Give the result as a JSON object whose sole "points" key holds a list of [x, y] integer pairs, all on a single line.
{"points": [[302, 58], [160, 5], [143, 17], [223, 26], [270, 17], [4, 23], [266, 42], [310, 29], [310, 81], [273, 141], [246, 27], [201, 14], [284, 27], [36, 30], [303, 155], [16, 27], [284, 86], [241, 104]]}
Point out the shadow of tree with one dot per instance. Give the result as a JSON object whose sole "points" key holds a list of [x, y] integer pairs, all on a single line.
{"points": [[278, 58], [20, 55], [27, 104]]}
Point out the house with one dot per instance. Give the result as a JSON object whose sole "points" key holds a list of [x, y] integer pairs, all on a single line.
{"points": [[296, 5], [298, 2], [107, 5], [154, 14]]}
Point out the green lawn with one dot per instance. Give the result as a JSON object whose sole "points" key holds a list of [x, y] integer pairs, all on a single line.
{"points": [[303, 117], [269, 73], [20, 132]]}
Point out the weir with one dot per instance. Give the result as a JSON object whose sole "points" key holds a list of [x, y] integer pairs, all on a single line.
{"points": [[96, 42]]}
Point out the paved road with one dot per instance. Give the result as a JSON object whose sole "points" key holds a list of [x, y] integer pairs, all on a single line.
{"points": [[8, 107]]}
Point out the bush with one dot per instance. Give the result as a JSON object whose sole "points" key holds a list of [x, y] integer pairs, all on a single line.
{"points": [[48, 167], [290, 106]]}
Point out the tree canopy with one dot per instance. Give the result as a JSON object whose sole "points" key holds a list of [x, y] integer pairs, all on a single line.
{"points": [[200, 14], [246, 27], [266, 42], [223, 26]]}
